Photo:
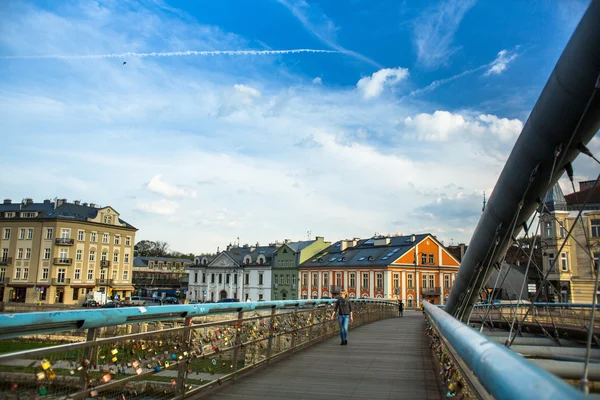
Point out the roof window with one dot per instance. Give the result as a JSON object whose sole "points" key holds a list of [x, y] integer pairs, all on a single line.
{"points": [[362, 258]]}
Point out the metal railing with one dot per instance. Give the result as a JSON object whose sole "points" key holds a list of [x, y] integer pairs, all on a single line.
{"points": [[175, 362], [64, 241], [61, 281], [62, 261], [472, 363], [431, 291], [5, 260]]}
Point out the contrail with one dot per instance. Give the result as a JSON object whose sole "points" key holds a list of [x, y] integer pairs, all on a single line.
{"points": [[172, 54]]}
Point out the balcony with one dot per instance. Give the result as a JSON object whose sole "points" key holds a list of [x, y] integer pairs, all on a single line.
{"points": [[104, 263], [431, 291], [104, 282], [4, 280], [64, 241], [335, 289], [61, 281], [63, 261], [5, 260]]}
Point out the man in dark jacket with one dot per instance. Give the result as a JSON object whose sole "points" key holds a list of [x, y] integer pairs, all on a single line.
{"points": [[400, 308], [343, 307]]}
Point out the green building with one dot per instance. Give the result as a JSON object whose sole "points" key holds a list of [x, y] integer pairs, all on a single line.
{"points": [[285, 266]]}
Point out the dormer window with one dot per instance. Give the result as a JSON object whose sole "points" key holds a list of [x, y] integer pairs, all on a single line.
{"points": [[204, 261], [108, 219], [371, 258], [247, 260], [261, 259]]}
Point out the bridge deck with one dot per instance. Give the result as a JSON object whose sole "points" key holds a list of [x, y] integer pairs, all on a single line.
{"points": [[389, 359]]}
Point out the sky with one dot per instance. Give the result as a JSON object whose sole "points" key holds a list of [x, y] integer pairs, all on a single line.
{"points": [[202, 122]]}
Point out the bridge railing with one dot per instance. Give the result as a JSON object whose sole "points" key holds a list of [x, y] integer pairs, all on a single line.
{"points": [[475, 367], [177, 362]]}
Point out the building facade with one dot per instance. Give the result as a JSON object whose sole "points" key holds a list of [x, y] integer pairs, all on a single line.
{"points": [[242, 273], [410, 268], [57, 252], [285, 266], [571, 261], [160, 273]]}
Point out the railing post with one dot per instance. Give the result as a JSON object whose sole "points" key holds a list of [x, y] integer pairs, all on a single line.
{"points": [[238, 343], [295, 331], [270, 339], [182, 370], [92, 334]]}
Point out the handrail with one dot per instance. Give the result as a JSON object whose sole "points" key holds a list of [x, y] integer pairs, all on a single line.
{"points": [[537, 304], [23, 324], [502, 372]]}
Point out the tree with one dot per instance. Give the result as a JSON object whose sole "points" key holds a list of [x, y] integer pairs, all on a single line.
{"points": [[143, 248]]}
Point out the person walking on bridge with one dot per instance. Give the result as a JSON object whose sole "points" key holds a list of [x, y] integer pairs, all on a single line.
{"points": [[343, 307], [400, 308]]}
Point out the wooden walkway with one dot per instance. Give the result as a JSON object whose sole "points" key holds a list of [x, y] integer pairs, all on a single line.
{"points": [[389, 359]]}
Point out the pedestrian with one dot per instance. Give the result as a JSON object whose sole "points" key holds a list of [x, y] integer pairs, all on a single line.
{"points": [[343, 307], [400, 308]]}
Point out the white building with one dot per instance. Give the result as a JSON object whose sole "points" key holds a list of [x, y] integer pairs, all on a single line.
{"points": [[242, 273]]}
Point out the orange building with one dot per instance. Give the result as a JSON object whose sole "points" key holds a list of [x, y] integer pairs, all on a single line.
{"points": [[410, 268]]}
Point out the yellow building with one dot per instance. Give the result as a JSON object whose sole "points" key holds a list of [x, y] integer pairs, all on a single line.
{"points": [[572, 277], [57, 252]]}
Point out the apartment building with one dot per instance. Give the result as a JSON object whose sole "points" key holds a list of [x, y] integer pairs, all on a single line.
{"points": [[56, 252]]}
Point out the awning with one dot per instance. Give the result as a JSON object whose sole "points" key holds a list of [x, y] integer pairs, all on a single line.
{"points": [[83, 285], [19, 284], [122, 288]]}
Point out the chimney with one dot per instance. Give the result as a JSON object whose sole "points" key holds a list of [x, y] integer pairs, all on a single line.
{"points": [[28, 201], [7, 201], [60, 202], [413, 238], [320, 239], [77, 202], [46, 201], [85, 204], [92, 205], [343, 245]]}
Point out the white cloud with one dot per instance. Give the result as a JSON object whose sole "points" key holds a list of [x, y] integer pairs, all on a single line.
{"points": [[372, 86], [434, 31], [443, 126], [156, 185], [317, 81], [247, 89], [499, 65], [162, 207]]}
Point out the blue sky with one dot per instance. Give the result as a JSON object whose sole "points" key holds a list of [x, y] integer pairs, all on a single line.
{"points": [[396, 118]]}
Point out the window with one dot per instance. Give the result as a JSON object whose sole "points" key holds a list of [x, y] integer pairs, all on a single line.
{"points": [[116, 258], [260, 296], [92, 255], [204, 277], [46, 254], [78, 255], [93, 237], [431, 259], [18, 273], [409, 281], [65, 233], [105, 238], [212, 278], [246, 279], [9, 215], [431, 280], [117, 239], [595, 228], [379, 280], [27, 215], [64, 254], [45, 274], [338, 279], [550, 262], [227, 279], [315, 279], [260, 278], [20, 254], [125, 275], [6, 233], [564, 262], [305, 279], [276, 279], [325, 279], [2, 274], [29, 234], [22, 234], [424, 280], [4, 254], [423, 258], [548, 229], [446, 281], [220, 279], [25, 273], [126, 258], [396, 280], [90, 275], [108, 219], [60, 275], [75, 293], [77, 274], [410, 302], [104, 256], [563, 230], [195, 277], [49, 233], [365, 280], [114, 274], [596, 260], [128, 241], [81, 236], [27, 253], [352, 278]]}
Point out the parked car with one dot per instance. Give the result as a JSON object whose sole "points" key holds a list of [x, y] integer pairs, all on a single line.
{"points": [[90, 304], [193, 301], [228, 301], [137, 301], [170, 300], [113, 304]]}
